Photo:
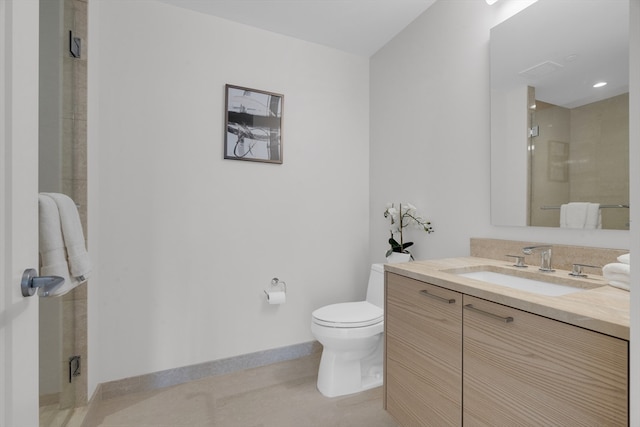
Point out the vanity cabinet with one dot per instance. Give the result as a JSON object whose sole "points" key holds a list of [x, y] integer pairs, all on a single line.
{"points": [[423, 353], [527, 370], [452, 359]]}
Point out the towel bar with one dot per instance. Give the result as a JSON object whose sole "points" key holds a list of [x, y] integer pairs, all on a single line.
{"points": [[601, 207]]}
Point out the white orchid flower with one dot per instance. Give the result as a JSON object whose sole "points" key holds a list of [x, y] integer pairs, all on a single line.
{"points": [[392, 213], [400, 218]]}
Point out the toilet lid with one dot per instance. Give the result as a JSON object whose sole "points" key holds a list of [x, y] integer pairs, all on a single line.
{"points": [[348, 315]]}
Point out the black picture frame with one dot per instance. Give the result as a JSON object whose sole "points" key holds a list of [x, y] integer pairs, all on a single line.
{"points": [[253, 125]]}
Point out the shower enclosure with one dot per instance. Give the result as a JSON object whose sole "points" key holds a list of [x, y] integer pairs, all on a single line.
{"points": [[63, 169]]}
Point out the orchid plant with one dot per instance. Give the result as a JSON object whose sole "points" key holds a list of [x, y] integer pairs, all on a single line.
{"points": [[402, 217]]}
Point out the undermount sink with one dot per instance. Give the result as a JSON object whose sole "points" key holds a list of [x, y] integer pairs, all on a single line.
{"points": [[541, 287]]}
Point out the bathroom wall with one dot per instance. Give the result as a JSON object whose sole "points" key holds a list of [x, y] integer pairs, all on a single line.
{"points": [[430, 133], [184, 242], [429, 128]]}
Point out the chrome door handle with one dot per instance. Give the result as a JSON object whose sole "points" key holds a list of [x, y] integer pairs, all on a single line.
{"points": [[31, 283]]}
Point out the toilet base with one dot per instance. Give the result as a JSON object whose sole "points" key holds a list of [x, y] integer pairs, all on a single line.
{"points": [[343, 373]]}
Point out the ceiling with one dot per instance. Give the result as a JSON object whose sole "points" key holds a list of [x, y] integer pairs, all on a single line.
{"points": [[359, 27], [563, 62]]}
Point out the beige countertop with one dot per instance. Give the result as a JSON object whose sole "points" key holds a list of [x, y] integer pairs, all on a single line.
{"points": [[599, 307]]}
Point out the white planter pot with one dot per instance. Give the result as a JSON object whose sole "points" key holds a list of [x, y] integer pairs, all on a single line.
{"points": [[397, 257]]}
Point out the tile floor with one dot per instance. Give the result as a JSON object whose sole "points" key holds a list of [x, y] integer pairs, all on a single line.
{"points": [[279, 395], [51, 416]]}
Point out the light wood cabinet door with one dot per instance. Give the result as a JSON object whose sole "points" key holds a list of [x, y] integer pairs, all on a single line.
{"points": [[534, 371], [423, 349]]}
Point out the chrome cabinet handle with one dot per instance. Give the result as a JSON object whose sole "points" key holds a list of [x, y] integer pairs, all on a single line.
{"points": [[470, 307], [447, 300]]}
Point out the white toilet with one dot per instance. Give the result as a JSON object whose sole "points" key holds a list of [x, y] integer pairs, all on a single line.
{"points": [[351, 334]]}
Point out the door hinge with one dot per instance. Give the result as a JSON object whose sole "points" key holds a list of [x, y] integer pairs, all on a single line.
{"points": [[74, 367]]}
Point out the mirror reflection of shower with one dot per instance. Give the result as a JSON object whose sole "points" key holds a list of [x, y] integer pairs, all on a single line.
{"points": [[579, 154]]}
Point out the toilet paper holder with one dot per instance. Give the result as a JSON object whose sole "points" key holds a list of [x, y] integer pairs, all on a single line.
{"points": [[276, 285]]}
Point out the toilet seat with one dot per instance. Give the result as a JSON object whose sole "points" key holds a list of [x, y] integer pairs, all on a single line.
{"points": [[348, 315]]}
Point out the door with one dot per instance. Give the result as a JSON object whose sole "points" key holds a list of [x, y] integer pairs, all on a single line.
{"points": [[18, 211], [423, 336], [521, 369]]}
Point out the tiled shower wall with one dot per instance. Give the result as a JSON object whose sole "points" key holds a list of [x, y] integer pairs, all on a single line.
{"points": [[582, 155]]}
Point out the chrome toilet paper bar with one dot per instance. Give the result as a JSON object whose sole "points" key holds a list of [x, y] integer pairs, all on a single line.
{"points": [[277, 291], [275, 282]]}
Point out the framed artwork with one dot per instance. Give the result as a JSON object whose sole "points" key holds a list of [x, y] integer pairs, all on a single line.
{"points": [[253, 122]]}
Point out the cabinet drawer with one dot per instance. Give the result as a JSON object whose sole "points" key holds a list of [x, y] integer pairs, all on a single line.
{"points": [[527, 370], [423, 348]]}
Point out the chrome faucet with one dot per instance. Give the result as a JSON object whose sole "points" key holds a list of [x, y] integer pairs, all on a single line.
{"points": [[545, 256]]}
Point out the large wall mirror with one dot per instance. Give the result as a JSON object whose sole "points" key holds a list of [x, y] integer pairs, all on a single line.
{"points": [[559, 145]]}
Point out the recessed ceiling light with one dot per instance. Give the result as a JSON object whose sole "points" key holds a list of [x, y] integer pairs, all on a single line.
{"points": [[600, 84], [490, 2]]}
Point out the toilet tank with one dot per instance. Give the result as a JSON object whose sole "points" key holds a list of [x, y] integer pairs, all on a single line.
{"points": [[375, 289]]}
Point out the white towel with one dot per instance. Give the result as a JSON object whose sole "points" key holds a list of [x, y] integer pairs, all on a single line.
{"points": [[53, 257], [580, 215], [62, 246], [625, 259], [616, 268], [594, 217], [77, 256], [618, 274]]}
